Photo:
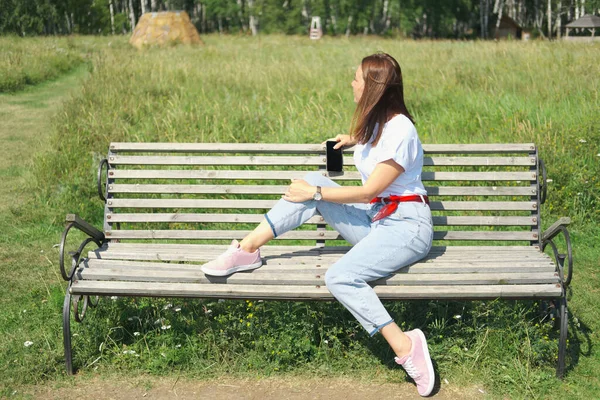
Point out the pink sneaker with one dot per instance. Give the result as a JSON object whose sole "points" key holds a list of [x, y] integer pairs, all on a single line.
{"points": [[233, 260], [417, 363]]}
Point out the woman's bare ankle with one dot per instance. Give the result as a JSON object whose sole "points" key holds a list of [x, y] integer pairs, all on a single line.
{"points": [[248, 247]]}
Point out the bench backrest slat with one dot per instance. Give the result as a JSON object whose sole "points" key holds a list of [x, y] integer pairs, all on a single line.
{"points": [[218, 192]]}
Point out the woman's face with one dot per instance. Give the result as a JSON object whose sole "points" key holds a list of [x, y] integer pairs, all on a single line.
{"points": [[358, 84]]}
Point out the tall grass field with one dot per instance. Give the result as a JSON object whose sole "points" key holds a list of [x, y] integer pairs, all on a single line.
{"points": [[293, 90], [41, 59]]}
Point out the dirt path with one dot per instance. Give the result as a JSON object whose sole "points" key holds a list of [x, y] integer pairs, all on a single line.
{"points": [[24, 130], [293, 388]]}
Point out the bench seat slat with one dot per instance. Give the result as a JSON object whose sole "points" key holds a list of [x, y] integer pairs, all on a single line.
{"points": [[256, 218], [283, 148], [315, 266], [311, 257], [224, 291], [280, 189], [285, 175], [271, 249], [267, 204], [264, 277], [306, 234], [307, 160]]}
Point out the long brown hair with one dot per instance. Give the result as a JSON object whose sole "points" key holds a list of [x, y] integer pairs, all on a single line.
{"points": [[382, 97]]}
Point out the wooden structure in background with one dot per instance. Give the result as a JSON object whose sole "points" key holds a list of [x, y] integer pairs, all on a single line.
{"points": [[508, 28], [316, 32], [161, 28], [591, 22]]}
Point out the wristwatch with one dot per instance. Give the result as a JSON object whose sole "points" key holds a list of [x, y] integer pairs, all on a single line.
{"points": [[318, 196]]}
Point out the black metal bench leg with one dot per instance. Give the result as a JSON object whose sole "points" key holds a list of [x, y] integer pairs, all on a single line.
{"points": [[67, 331], [562, 344]]}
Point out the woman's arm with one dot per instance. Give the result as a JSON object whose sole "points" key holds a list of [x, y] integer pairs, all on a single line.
{"points": [[383, 175]]}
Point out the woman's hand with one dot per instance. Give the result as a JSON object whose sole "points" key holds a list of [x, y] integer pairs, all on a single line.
{"points": [[343, 140], [299, 191]]}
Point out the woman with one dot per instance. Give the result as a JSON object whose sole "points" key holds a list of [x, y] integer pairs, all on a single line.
{"points": [[388, 219]]}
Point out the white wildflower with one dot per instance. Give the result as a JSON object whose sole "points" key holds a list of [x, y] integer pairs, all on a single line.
{"points": [[24, 311], [582, 141], [164, 355], [128, 351], [136, 334], [465, 349], [28, 343], [167, 306], [579, 193], [326, 341], [446, 381], [177, 345], [113, 298], [177, 309], [457, 316], [549, 180], [165, 327], [158, 321], [208, 312]]}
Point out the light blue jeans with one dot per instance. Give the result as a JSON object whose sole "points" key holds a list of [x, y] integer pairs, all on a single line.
{"points": [[380, 248]]}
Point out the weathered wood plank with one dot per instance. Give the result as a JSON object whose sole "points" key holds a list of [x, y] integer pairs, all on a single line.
{"points": [[283, 148], [267, 204], [280, 189], [257, 218], [199, 217], [307, 160], [284, 175], [265, 278], [297, 234], [223, 234], [183, 256], [281, 249], [152, 289], [315, 266]]}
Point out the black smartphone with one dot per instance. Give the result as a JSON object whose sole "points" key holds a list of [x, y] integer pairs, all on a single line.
{"points": [[335, 161]]}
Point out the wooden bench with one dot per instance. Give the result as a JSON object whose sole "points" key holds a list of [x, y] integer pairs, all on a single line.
{"points": [[169, 207]]}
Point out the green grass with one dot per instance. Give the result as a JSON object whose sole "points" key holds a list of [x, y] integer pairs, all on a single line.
{"points": [[288, 89], [34, 60]]}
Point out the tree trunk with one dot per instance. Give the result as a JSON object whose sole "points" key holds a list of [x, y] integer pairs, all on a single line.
{"points": [[253, 21], [348, 27], [558, 21], [333, 19], [498, 7], [131, 15], [240, 4], [112, 17], [143, 6], [153, 5], [549, 11]]}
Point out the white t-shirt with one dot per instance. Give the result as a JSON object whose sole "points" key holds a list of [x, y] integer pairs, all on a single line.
{"points": [[399, 142]]}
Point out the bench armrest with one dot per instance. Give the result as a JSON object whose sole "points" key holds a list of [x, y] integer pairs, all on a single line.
{"points": [[95, 235], [549, 234], [555, 228], [84, 227]]}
